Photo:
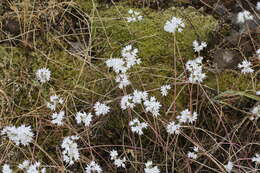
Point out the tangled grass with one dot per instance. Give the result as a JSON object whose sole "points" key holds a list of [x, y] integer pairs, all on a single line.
{"points": [[205, 126]]}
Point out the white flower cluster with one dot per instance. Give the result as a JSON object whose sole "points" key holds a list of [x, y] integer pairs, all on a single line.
{"points": [[93, 167], [129, 55], [83, 117], [151, 169], [117, 161], [54, 101], [258, 6], [123, 80], [195, 69], [255, 112], [199, 47], [57, 118], [243, 16], [229, 166], [135, 16], [194, 154], [6, 169], [258, 54], [257, 93], [101, 109], [43, 75], [122, 65], [173, 128], [139, 96], [137, 126], [256, 158], [19, 135], [129, 101], [153, 106], [173, 25], [245, 67], [150, 104], [70, 149], [31, 168], [165, 89], [185, 117]]}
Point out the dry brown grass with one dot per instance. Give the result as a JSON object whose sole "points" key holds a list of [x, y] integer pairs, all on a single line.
{"points": [[60, 36]]}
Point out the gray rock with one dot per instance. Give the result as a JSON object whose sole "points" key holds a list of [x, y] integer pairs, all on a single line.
{"points": [[226, 59]]}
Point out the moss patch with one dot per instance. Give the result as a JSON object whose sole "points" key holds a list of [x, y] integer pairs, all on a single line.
{"points": [[155, 45]]}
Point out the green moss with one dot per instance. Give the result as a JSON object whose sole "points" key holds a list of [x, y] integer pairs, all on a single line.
{"points": [[86, 5], [155, 45], [229, 80], [157, 48], [69, 76]]}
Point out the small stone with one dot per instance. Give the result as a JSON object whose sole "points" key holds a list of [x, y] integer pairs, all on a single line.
{"points": [[226, 59]]}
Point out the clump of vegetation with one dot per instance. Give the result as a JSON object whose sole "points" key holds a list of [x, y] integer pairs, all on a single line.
{"points": [[94, 87]]}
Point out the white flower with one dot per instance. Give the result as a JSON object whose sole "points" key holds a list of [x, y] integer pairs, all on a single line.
{"points": [[57, 118], [139, 96], [83, 117], [31, 168], [256, 112], [43, 75], [187, 117], [7, 169], [195, 69], [51, 106], [256, 158], [173, 128], [113, 154], [152, 106], [120, 162], [24, 165], [123, 80], [101, 108], [244, 16], [54, 100], [258, 6], [130, 56], [173, 25], [70, 149], [199, 47], [164, 89], [93, 167], [257, 93], [245, 67], [121, 65], [127, 102], [148, 164], [149, 169], [258, 50], [229, 166], [135, 16], [137, 126], [118, 65], [192, 155], [21, 135], [129, 51], [195, 149]]}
